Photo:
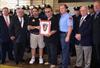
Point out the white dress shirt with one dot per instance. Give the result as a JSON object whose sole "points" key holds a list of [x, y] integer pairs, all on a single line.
{"points": [[7, 19], [21, 19], [82, 19]]}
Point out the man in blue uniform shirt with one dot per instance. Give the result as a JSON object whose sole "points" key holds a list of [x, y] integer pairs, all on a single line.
{"points": [[65, 27]]}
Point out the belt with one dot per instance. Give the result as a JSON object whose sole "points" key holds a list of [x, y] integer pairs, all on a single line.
{"points": [[35, 33], [63, 32]]}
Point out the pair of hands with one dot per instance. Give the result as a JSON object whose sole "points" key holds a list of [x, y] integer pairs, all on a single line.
{"points": [[78, 37]]}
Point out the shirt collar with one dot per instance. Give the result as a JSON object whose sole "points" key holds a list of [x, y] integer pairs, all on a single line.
{"points": [[5, 16], [64, 14], [84, 16], [97, 12]]}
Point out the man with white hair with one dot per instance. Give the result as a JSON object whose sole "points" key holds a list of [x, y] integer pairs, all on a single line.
{"points": [[85, 38], [18, 34]]}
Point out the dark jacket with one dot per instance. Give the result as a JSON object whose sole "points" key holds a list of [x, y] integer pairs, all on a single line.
{"points": [[76, 22], [96, 29], [4, 30], [86, 32], [17, 31]]}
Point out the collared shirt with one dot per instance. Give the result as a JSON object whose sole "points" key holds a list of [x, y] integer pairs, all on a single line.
{"points": [[96, 15], [21, 20], [34, 21], [7, 19], [66, 20], [82, 19]]}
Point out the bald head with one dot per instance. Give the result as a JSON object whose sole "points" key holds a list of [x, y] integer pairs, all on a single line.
{"points": [[97, 6], [84, 10]]}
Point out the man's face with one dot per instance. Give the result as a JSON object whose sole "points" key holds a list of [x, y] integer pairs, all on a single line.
{"points": [[77, 12], [91, 10], [62, 9], [48, 12], [35, 12], [5, 12], [83, 11], [20, 12], [97, 6]]}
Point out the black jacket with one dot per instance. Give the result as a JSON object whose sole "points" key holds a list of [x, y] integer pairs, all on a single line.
{"points": [[86, 32], [4, 30], [17, 31], [96, 29]]}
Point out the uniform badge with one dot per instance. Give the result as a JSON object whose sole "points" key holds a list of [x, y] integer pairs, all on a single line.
{"points": [[70, 18]]}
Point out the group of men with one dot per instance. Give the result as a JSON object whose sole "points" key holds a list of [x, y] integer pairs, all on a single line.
{"points": [[83, 25]]}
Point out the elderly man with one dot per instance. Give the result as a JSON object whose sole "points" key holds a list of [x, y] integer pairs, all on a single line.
{"points": [[85, 38], [96, 33], [18, 33]]}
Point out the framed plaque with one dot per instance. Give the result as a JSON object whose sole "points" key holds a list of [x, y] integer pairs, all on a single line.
{"points": [[45, 27]]}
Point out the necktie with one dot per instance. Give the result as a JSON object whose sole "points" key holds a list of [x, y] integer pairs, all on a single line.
{"points": [[21, 22], [81, 21]]}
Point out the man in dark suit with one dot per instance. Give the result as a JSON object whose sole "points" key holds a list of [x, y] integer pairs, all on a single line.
{"points": [[96, 33], [5, 41], [18, 33], [73, 41], [85, 38]]}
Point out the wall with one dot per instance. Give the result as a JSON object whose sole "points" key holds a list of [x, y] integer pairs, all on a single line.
{"points": [[53, 3]]}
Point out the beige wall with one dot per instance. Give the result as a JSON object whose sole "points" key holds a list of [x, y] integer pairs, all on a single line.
{"points": [[71, 5], [53, 3], [13, 3]]}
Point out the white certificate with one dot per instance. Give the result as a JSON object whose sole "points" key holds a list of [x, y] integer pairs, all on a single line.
{"points": [[45, 27]]}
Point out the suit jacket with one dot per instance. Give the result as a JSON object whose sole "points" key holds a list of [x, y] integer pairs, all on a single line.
{"points": [[76, 22], [96, 29], [4, 30], [86, 32], [17, 31]]}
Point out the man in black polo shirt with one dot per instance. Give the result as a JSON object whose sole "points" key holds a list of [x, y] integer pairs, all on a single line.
{"points": [[36, 40]]}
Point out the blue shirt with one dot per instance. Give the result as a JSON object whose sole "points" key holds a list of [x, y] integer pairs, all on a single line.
{"points": [[66, 20]]}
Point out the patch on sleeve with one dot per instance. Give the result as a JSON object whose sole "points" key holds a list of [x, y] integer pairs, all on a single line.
{"points": [[70, 18]]}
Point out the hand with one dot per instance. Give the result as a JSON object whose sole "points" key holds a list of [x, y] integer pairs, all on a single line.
{"points": [[29, 27], [37, 27], [67, 39], [48, 35], [12, 37], [78, 36]]}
